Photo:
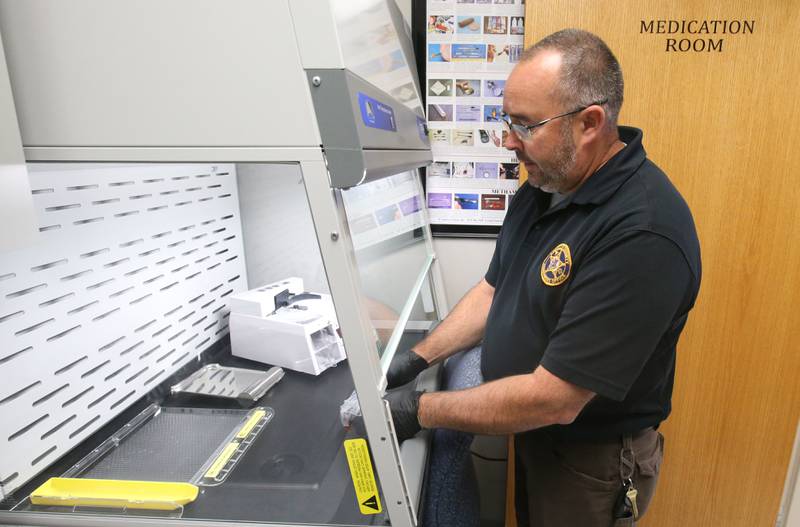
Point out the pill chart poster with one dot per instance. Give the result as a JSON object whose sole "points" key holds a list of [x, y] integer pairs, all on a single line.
{"points": [[471, 47]]}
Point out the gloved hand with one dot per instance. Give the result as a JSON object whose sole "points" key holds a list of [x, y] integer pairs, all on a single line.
{"points": [[404, 368], [404, 405]]}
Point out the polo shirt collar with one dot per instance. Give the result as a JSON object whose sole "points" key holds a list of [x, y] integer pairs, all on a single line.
{"points": [[601, 185]]}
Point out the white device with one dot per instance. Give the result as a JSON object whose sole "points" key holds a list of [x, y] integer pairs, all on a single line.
{"points": [[282, 325], [261, 302]]}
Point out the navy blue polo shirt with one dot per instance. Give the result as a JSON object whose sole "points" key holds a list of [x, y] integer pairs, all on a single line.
{"points": [[596, 289]]}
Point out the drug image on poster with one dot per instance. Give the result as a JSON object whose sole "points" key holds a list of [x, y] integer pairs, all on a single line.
{"points": [[486, 170], [440, 200], [494, 87], [440, 87], [469, 25], [515, 53], [517, 25], [439, 136], [488, 137], [439, 53], [466, 201], [509, 170], [463, 137], [463, 169], [468, 88], [493, 202], [441, 24], [440, 112], [498, 53], [495, 25], [468, 112], [440, 169], [493, 113], [485, 137], [468, 52]]}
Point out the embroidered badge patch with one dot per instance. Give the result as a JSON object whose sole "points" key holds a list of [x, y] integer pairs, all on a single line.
{"points": [[556, 265]]}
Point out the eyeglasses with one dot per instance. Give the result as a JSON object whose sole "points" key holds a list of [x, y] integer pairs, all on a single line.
{"points": [[525, 131]]}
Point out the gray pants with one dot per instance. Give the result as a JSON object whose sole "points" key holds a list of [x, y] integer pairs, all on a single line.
{"points": [[576, 484]]}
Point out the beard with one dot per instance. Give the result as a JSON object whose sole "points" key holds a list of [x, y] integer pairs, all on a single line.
{"points": [[552, 173]]}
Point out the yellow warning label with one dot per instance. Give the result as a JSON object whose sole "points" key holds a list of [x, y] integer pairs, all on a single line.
{"points": [[363, 478], [250, 424], [221, 460]]}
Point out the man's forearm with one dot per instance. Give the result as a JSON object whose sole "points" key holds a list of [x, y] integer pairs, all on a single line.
{"points": [[462, 328], [506, 406]]}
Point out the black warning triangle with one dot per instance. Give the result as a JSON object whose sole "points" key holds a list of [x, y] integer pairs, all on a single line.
{"points": [[372, 503]]}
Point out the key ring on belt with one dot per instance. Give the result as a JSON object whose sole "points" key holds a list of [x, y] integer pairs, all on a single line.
{"points": [[627, 460]]}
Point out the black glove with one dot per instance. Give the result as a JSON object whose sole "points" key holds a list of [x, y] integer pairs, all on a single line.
{"points": [[405, 409], [405, 367]]}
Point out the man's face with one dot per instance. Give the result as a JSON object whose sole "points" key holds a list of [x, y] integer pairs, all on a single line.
{"points": [[549, 155]]}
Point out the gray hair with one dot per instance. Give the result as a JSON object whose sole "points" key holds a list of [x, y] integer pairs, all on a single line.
{"points": [[589, 71]]}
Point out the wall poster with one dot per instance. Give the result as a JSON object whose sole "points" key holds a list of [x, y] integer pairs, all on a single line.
{"points": [[470, 48]]}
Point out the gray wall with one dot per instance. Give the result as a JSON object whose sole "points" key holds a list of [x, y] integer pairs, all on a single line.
{"points": [[279, 237], [463, 262]]}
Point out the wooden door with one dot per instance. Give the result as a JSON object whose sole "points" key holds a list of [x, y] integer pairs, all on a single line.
{"points": [[720, 115]]}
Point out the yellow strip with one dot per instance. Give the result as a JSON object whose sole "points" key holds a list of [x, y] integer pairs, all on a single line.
{"points": [[250, 424], [369, 502], [158, 495], [221, 460]]}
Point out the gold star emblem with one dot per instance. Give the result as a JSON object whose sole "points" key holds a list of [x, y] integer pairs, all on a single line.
{"points": [[557, 265]]}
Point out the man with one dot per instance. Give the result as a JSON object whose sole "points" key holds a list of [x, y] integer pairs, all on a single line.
{"points": [[594, 272]]}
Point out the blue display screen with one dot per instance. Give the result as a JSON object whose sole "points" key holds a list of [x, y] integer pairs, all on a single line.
{"points": [[375, 114]]}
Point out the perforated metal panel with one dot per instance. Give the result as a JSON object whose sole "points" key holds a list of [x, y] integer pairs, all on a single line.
{"points": [[128, 284]]}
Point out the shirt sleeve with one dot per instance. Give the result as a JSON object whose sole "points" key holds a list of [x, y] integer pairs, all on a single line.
{"points": [[623, 298]]}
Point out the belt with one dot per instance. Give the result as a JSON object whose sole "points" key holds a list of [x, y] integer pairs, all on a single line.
{"points": [[558, 437]]}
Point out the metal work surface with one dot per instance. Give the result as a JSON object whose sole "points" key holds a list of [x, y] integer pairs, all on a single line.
{"points": [[295, 472]]}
